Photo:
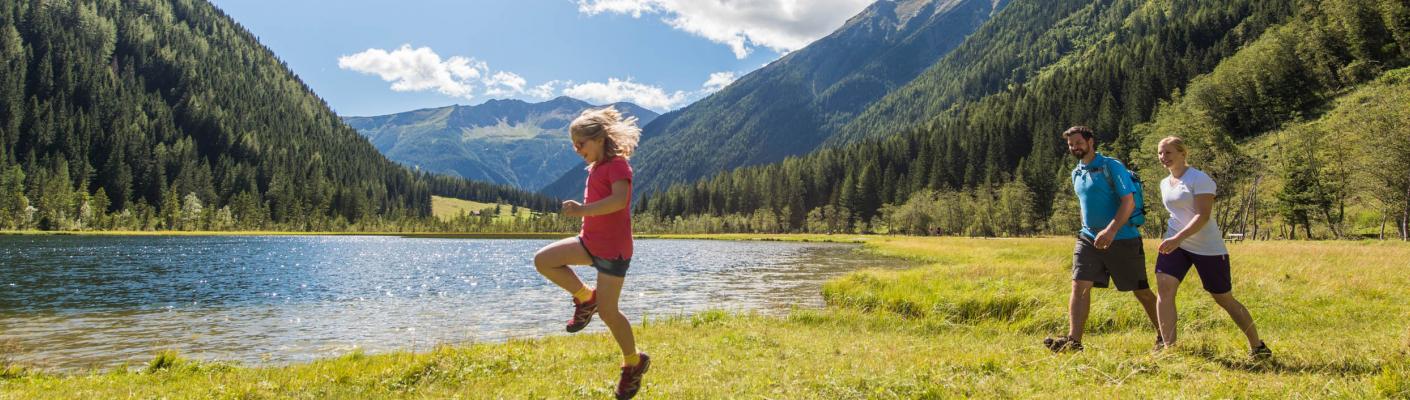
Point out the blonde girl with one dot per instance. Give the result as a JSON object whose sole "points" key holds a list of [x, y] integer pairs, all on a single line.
{"points": [[605, 140]]}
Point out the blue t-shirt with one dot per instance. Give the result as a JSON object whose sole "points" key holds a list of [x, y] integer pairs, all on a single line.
{"points": [[1099, 202]]}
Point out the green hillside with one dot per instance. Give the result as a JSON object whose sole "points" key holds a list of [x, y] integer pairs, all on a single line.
{"points": [[447, 208], [166, 114], [1267, 63], [793, 104]]}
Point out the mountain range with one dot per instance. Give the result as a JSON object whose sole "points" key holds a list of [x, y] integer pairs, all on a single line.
{"points": [[796, 103], [510, 142]]}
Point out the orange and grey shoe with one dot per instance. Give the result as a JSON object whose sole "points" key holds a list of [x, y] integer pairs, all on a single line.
{"points": [[630, 382], [582, 313]]}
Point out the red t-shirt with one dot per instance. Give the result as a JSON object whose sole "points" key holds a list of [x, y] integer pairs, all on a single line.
{"points": [[608, 236]]}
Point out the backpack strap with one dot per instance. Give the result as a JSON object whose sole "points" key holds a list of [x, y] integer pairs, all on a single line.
{"points": [[1110, 180], [1139, 209]]}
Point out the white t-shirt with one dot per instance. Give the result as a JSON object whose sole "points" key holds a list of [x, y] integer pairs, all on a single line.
{"points": [[1179, 199]]}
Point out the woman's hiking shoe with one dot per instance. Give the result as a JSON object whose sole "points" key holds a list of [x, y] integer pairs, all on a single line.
{"points": [[582, 313], [631, 378], [1262, 352], [1061, 344]]}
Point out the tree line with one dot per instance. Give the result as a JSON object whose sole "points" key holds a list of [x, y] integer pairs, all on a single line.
{"points": [[166, 114], [1238, 77]]}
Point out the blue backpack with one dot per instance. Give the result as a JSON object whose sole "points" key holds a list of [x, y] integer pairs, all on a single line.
{"points": [[1138, 215]]}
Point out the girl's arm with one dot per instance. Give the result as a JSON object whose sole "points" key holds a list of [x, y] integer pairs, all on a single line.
{"points": [[621, 195], [1204, 206]]}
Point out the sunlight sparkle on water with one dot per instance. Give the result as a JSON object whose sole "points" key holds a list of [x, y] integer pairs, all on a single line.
{"points": [[86, 301]]}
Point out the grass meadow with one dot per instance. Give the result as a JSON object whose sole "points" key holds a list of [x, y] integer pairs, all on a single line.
{"points": [[967, 322]]}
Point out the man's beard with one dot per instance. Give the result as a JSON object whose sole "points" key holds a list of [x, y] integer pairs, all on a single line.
{"points": [[1079, 153]]}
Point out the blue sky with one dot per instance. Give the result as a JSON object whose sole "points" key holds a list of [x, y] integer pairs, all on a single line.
{"points": [[378, 57]]}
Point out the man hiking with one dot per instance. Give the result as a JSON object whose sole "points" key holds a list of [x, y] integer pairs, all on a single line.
{"points": [[1109, 244]]}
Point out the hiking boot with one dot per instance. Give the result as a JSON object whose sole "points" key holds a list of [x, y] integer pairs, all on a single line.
{"points": [[1061, 344], [630, 382], [582, 313], [1262, 352]]}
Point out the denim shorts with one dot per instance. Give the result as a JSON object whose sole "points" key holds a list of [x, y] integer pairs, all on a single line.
{"points": [[617, 268]]}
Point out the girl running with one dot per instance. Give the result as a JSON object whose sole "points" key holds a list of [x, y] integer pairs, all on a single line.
{"points": [[605, 140]]}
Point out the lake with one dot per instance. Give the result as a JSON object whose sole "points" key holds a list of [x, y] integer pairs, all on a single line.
{"points": [[70, 303]]}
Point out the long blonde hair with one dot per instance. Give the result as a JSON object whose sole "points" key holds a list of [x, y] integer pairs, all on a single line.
{"points": [[619, 135]]}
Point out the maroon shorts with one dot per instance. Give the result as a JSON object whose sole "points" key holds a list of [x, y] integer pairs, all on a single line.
{"points": [[1213, 270]]}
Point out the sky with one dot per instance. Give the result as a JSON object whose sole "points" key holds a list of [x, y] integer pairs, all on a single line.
{"points": [[368, 57]]}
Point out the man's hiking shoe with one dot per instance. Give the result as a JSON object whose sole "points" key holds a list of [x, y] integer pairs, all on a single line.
{"points": [[582, 313], [1262, 352], [1061, 344], [631, 378], [1159, 344]]}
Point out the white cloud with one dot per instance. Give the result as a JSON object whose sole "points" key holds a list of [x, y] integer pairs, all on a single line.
{"points": [[633, 7], [652, 97], [781, 25], [414, 70], [616, 90], [546, 90], [718, 81], [421, 69], [460, 67], [504, 84]]}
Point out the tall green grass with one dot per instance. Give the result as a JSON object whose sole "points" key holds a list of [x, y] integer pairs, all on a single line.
{"points": [[967, 323]]}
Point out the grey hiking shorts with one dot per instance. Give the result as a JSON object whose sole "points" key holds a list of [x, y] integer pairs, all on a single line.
{"points": [[1124, 263]]}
